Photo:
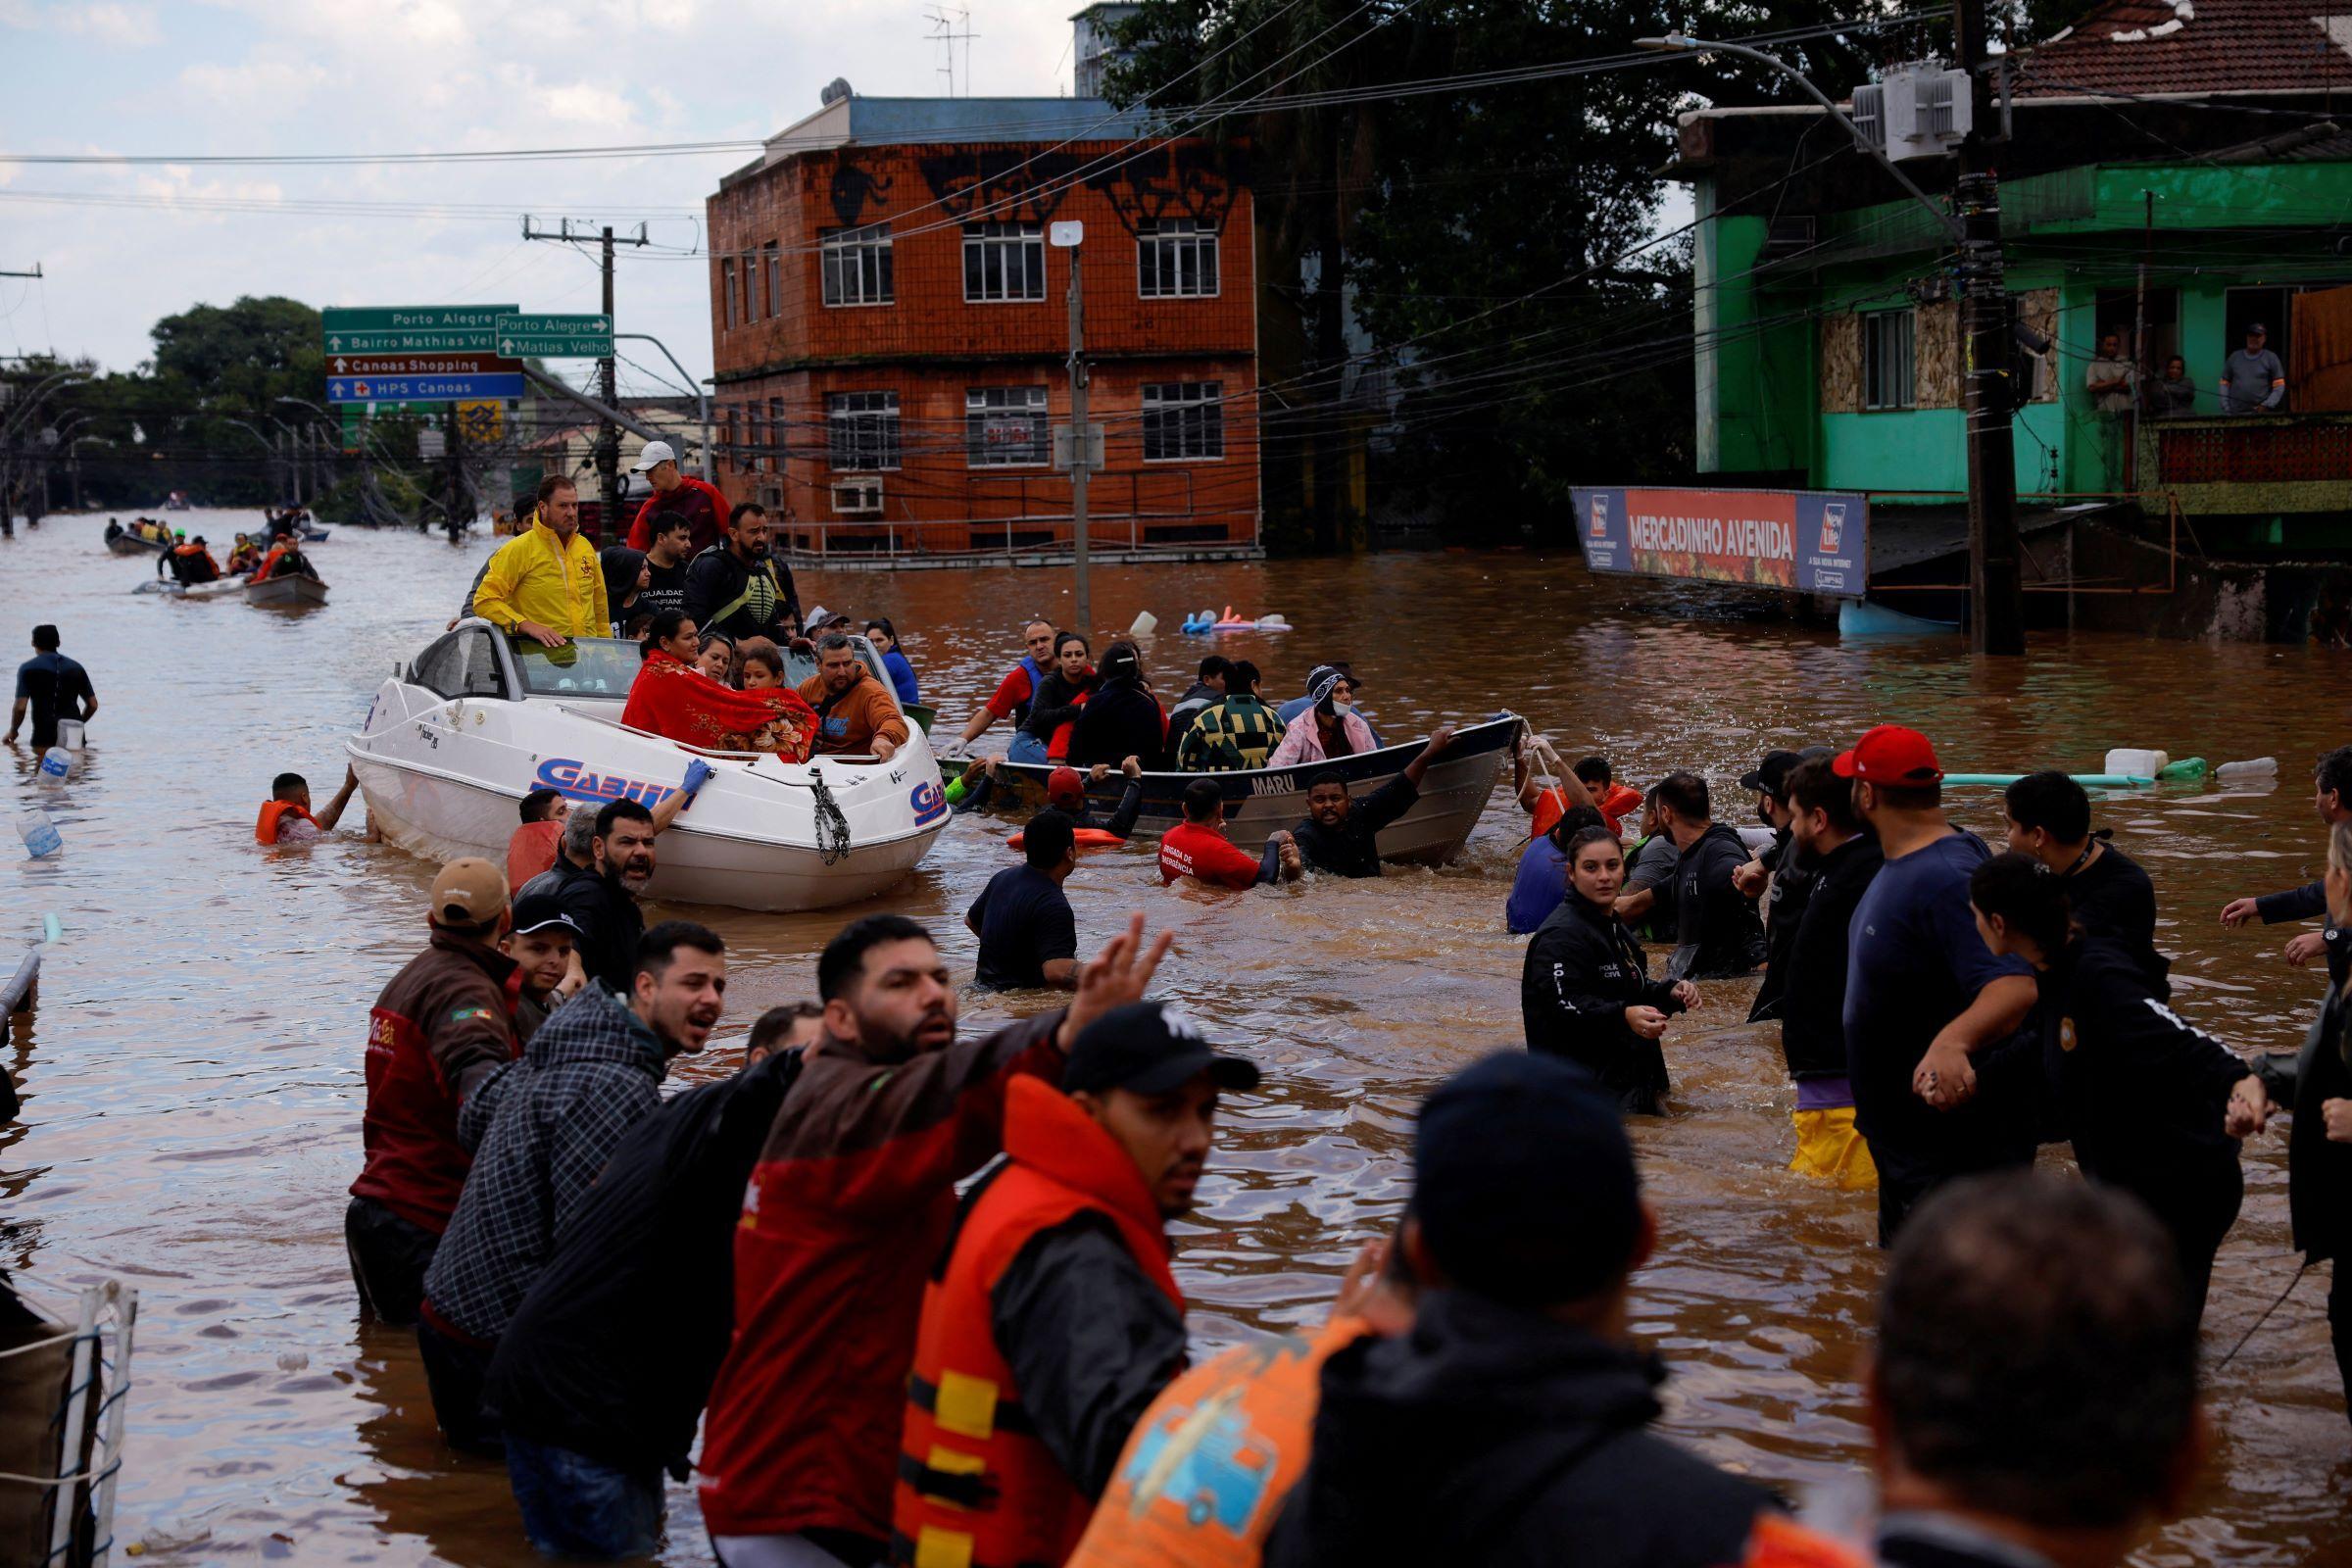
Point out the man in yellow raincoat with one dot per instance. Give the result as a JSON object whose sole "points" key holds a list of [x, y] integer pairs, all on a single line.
{"points": [[544, 583]]}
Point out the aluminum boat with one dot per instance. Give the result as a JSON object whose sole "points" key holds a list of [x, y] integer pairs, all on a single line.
{"points": [[1257, 801], [459, 734]]}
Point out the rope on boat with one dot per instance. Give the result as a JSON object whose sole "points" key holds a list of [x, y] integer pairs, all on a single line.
{"points": [[832, 828]]}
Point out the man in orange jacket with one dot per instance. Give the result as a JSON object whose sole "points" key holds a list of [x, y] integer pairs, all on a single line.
{"points": [[1056, 1320], [855, 712]]}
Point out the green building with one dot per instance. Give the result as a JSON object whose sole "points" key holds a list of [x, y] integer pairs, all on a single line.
{"points": [[2171, 175]]}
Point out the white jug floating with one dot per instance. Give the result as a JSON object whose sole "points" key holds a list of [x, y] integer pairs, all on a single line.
{"points": [[40, 835], [57, 765], [2136, 763], [70, 734], [2258, 768]]}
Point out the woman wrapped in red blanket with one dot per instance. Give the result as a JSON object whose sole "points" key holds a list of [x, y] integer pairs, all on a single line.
{"points": [[673, 699]]}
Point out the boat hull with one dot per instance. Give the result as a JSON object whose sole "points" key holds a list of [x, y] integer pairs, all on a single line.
{"points": [[285, 592], [442, 778], [130, 544], [1453, 792]]}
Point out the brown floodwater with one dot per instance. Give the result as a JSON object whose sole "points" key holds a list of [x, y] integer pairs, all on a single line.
{"points": [[192, 1079]]}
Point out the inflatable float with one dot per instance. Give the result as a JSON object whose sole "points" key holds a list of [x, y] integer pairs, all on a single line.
{"points": [[1088, 838], [1200, 622]]}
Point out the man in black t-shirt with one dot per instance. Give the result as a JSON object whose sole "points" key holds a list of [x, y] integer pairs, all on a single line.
{"points": [[1717, 934], [2049, 818], [665, 564], [1028, 936], [1342, 835], [52, 686]]}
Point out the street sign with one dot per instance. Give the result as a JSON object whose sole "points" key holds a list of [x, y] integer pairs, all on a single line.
{"points": [[1094, 446], [412, 328], [421, 388], [562, 337], [421, 365], [431, 445]]}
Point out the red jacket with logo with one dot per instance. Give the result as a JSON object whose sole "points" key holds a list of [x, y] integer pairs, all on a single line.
{"points": [[446, 1019], [702, 505], [847, 1211]]}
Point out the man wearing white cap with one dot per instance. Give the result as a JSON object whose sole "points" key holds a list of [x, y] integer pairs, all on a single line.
{"points": [[701, 504]]}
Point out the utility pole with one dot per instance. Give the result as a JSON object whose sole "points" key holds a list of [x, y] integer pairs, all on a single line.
{"points": [[1996, 604], [607, 438], [1080, 444], [460, 510]]}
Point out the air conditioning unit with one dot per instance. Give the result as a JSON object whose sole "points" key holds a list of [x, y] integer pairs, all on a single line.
{"points": [[858, 498]]}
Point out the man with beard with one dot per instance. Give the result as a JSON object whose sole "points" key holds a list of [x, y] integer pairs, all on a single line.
{"points": [[849, 1207], [600, 898], [1341, 834], [541, 1130], [855, 712]]}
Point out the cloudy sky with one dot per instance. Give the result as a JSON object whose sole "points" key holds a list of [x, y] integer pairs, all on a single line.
{"points": [[275, 77]]}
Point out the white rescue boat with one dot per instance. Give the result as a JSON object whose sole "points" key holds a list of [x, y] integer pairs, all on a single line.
{"points": [[458, 735]]}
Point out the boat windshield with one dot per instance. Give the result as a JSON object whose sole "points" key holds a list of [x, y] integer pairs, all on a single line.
{"points": [[585, 667]]}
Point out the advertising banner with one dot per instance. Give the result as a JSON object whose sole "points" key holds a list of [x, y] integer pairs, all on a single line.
{"points": [[1806, 541]]}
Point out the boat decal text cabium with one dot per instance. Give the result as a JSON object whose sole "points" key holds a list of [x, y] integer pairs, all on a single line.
{"points": [[565, 775], [929, 803]]}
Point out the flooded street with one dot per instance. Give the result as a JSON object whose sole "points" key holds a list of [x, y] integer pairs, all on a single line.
{"points": [[192, 1079]]}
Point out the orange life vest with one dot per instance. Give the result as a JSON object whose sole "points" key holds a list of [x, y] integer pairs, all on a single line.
{"points": [[265, 827], [1209, 1464], [1781, 1542], [976, 1487], [1085, 838]]}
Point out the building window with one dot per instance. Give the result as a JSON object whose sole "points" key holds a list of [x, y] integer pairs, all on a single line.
{"points": [[1183, 421], [726, 271], [1003, 261], [774, 255], [1005, 426], [726, 438], [861, 430], [1176, 258], [1886, 359], [775, 435], [856, 263], [756, 459]]}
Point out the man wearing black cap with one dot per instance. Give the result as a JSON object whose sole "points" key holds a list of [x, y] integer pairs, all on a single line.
{"points": [[1510, 1425], [1055, 1307], [2253, 381], [540, 942]]}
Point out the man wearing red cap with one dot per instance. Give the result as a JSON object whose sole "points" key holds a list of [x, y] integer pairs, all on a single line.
{"points": [[1926, 1001]]}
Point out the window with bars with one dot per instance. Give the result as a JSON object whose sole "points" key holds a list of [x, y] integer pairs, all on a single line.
{"points": [[1003, 261], [1176, 258], [1886, 359], [776, 444], [857, 265], [862, 431], [1183, 422], [726, 270], [755, 444], [773, 263], [1005, 426]]}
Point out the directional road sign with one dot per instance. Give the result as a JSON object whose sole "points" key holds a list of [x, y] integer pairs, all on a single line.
{"points": [[421, 388], [413, 329], [562, 337], [421, 365]]}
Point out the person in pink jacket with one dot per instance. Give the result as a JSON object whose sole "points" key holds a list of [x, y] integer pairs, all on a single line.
{"points": [[1326, 728]]}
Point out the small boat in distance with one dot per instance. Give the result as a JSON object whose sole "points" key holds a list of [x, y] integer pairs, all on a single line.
{"points": [[293, 591], [144, 537]]}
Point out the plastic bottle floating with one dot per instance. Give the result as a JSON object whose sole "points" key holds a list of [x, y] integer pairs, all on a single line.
{"points": [[39, 833], [1201, 621]]}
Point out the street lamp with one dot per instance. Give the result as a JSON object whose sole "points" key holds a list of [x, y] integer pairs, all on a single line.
{"points": [[1683, 43]]}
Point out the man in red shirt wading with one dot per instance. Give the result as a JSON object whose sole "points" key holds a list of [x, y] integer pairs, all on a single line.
{"points": [[846, 1213], [1198, 847], [702, 505], [439, 1028]]}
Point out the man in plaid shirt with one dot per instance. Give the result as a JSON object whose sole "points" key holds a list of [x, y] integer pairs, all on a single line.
{"points": [[542, 1130]]}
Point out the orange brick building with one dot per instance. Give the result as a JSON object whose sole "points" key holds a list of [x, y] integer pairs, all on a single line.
{"points": [[890, 329]]}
